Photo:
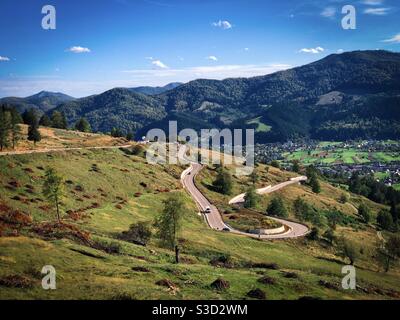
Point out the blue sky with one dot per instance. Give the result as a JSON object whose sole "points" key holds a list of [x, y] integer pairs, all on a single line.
{"points": [[101, 44]]}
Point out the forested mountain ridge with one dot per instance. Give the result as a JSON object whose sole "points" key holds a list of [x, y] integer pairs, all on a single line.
{"points": [[43, 101], [151, 91], [117, 108], [342, 96]]}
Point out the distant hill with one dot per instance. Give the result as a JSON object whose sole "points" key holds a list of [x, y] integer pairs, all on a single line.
{"points": [[120, 107], [151, 91], [343, 96], [349, 95], [42, 101]]}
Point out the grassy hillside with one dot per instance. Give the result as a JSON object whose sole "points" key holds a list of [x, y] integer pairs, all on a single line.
{"points": [[106, 191], [60, 139]]}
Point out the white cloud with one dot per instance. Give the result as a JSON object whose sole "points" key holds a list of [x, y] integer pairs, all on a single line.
{"points": [[246, 49], [21, 87], [372, 2], [328, 12], [223, 24], [159, 64], [78, 49], [377, 11], [395, 39], [312, 50], [4, 58], [212, 58], [340, 51], [206, 72]]}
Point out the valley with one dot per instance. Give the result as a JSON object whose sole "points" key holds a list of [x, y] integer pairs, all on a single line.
{"points": [[78, 193], [108, 190]]}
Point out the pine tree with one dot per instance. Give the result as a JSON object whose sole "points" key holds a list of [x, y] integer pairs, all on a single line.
{"points": [[394, 211], [83, 125], [64, 122], [277, 208], [223, 182], [29, 117], [58, 120], [15, 128], [34, 134], [250, 198], [364, 212], [315, 185], [254, 177], [45, 121], [5, 126], [53, 189], [296, 166]]}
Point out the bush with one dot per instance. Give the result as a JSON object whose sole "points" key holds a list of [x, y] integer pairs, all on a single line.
{"points": [[277, 208], [256, 294], [223, 182], [348, 250], [305, 212], [364, 212], [138, 233], [275, 164], [137, 150], [250, 198], [108, 247], [385, 220], [224, 261], [314, 234], [330, 236], [344, 198]]}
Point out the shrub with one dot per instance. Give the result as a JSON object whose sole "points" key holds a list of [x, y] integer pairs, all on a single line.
{"points": [[16, 281], [277, 208], [256, 294], [220, 284], [314, 234], [250, 198], [305, 212], [385, 220], [224, 261], [344, 198], [348, 250], [108, 246], [138, 233], [275, 164], [330, 236], [364, 212]]}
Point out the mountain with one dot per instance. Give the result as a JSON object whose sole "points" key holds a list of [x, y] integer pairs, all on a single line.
{"points": [[343, 96], [119, 107], [349, 95], [42, 101], [151, 91]]}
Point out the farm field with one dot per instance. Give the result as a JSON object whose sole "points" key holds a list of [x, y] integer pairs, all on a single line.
{"points": [[341, 156]]}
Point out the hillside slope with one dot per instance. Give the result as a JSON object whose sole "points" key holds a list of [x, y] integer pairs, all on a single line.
{"points": [[106, 191]]}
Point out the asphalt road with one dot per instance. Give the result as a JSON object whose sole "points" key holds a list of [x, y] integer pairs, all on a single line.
{"points": [[214, 219]]}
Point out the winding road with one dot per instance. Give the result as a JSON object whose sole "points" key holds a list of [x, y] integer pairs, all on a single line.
{"points": [[214, 219]]}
